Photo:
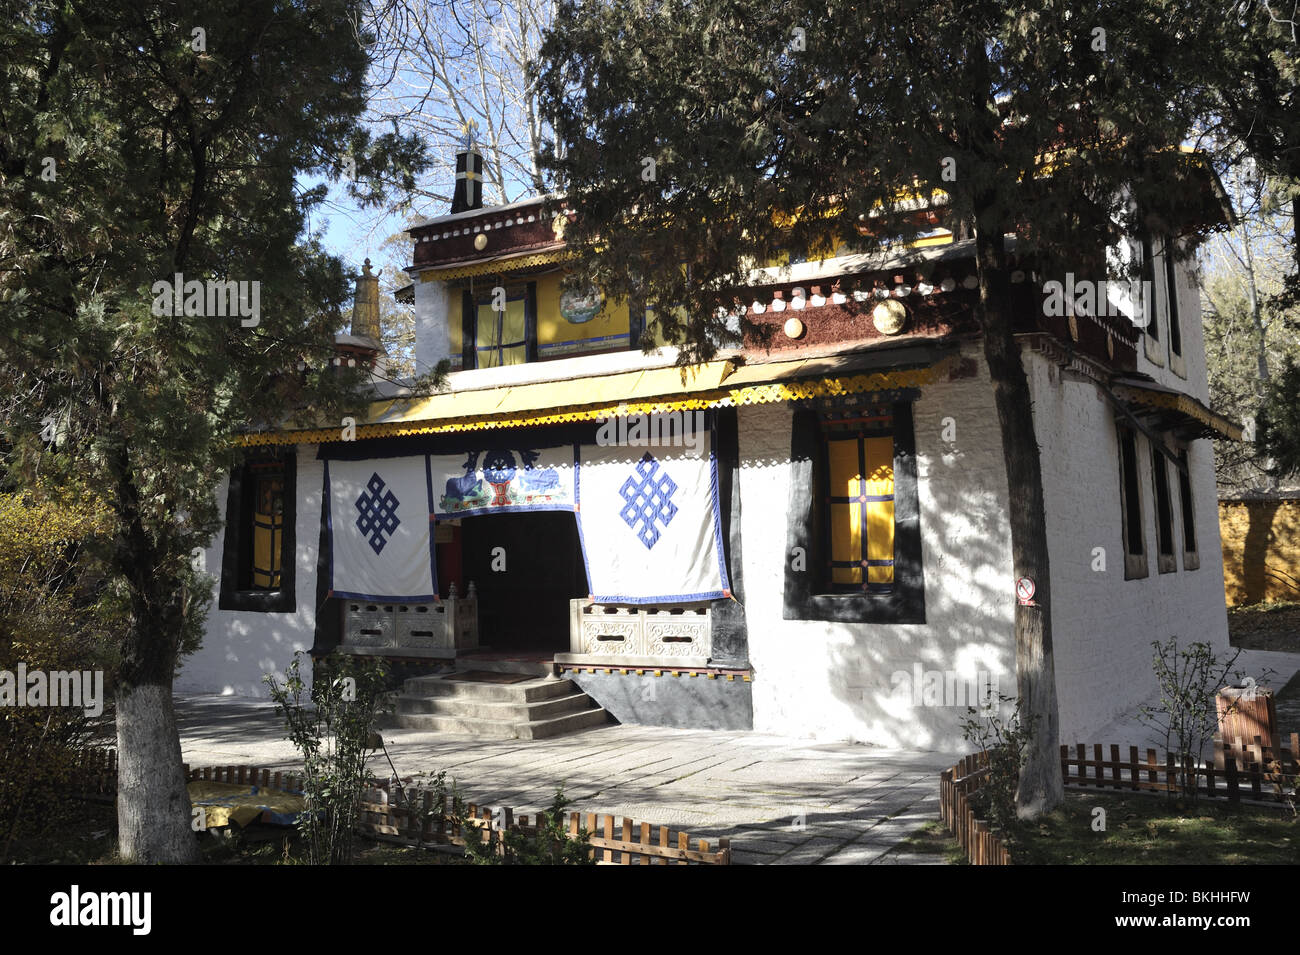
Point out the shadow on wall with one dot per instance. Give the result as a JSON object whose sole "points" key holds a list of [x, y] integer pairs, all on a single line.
{"points": [[1261, 550], [239, 648], [911, 684]]}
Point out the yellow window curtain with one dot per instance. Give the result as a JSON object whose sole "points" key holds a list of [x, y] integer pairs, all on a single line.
{"points": [[502, 337], [860, 505], [268, 531]]}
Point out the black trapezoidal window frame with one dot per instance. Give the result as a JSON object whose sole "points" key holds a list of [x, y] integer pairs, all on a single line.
{"points": [[1191, 550], [1132, 523], [236, 592], [806, 547], [470, 301], [1166, 560]]}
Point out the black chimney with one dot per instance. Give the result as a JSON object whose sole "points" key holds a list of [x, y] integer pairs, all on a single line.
{"points": [[469, 175]]}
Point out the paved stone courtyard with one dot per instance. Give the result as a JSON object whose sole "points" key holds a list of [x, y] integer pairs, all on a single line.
{"points": [[780, 800]]}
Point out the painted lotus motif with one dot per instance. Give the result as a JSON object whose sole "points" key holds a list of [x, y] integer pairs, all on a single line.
{"points": [[579, 306]]}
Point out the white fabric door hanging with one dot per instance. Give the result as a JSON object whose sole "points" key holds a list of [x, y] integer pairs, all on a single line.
{"points": [[378, 525], [649, 523]]}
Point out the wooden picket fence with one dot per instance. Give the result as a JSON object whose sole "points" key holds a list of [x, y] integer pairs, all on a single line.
{"points": [[246, 776], [956, 785], [613, 842], [1240, 770], [96, 772]]}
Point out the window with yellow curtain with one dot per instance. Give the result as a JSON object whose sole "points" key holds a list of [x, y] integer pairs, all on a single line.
{"points": [[268, 530], [502, 336], [860, 500]]}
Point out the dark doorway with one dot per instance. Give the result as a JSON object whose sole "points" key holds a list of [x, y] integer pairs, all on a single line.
{"points": [[526, 567]]}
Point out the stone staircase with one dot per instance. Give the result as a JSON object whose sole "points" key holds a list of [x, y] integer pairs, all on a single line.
{"points": [[539, 707]]}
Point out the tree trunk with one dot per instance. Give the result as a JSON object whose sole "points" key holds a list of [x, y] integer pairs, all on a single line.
{"points": [[153, 806], [1040, 787]]}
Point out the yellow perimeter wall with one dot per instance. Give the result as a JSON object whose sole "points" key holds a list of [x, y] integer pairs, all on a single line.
{"points": [[1261, 550]]}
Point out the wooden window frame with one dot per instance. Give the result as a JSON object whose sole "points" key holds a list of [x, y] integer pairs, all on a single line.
{"points": [[1187, 512], [1153, 343], [1163, 500], [805, 597], [858, 435], [1177, 362], [237, 592], [469, 306], [1130, 500]]}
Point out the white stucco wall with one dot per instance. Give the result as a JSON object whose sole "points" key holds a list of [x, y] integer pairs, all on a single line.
{"points": [[240, 647], [834, 680], [432, 311], [1103, 625]]}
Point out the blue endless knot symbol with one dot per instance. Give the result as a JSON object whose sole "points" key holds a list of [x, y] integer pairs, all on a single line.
{"points": [[649, 498], [378, 512]]}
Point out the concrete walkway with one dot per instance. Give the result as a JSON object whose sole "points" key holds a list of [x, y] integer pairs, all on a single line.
{"points": [[780, 800]]}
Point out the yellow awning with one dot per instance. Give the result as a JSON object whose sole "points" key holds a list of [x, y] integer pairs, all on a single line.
{"points": [[715, 384], [1177, 412], [502, 263]]}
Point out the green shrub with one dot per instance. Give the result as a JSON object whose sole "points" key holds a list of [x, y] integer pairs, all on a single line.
{"points": [[1006, 742], [549, 844], [335, 733]]}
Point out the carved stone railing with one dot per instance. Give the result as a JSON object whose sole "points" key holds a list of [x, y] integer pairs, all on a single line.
{"points": [[658, 634], [449, 625]]}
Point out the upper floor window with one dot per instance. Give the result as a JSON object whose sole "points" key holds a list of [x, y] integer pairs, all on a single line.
{"points": [[1171, 300], [1159, 302], [1149, 311], [500, 330], [498, 326]]}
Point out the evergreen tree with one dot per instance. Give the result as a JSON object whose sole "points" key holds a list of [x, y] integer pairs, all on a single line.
{"points": [[717, 135], [138, 143]]}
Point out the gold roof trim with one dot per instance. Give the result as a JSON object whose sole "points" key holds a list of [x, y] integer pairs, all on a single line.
{"points": [[505, 263], [1181, 405], [649, 391]]}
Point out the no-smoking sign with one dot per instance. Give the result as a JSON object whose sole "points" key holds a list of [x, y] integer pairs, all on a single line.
{"points": [[1025, 591]]}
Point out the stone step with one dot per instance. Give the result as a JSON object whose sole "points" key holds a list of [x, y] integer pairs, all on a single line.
{"points": [[504, 729], [492, 709], [529, 691], [466, 662]]}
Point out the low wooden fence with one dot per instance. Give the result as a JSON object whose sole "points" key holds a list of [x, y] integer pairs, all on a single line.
{"points": [[96, 772], [1240, 770], [245, 776], [956, 785], [612, 842]]}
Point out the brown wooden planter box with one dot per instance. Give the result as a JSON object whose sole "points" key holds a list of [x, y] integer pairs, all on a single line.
{"points": [[1244, 718]]}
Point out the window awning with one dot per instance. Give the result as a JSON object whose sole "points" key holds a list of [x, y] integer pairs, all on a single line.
{"points": [[1164, 409], [714, 384]]}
